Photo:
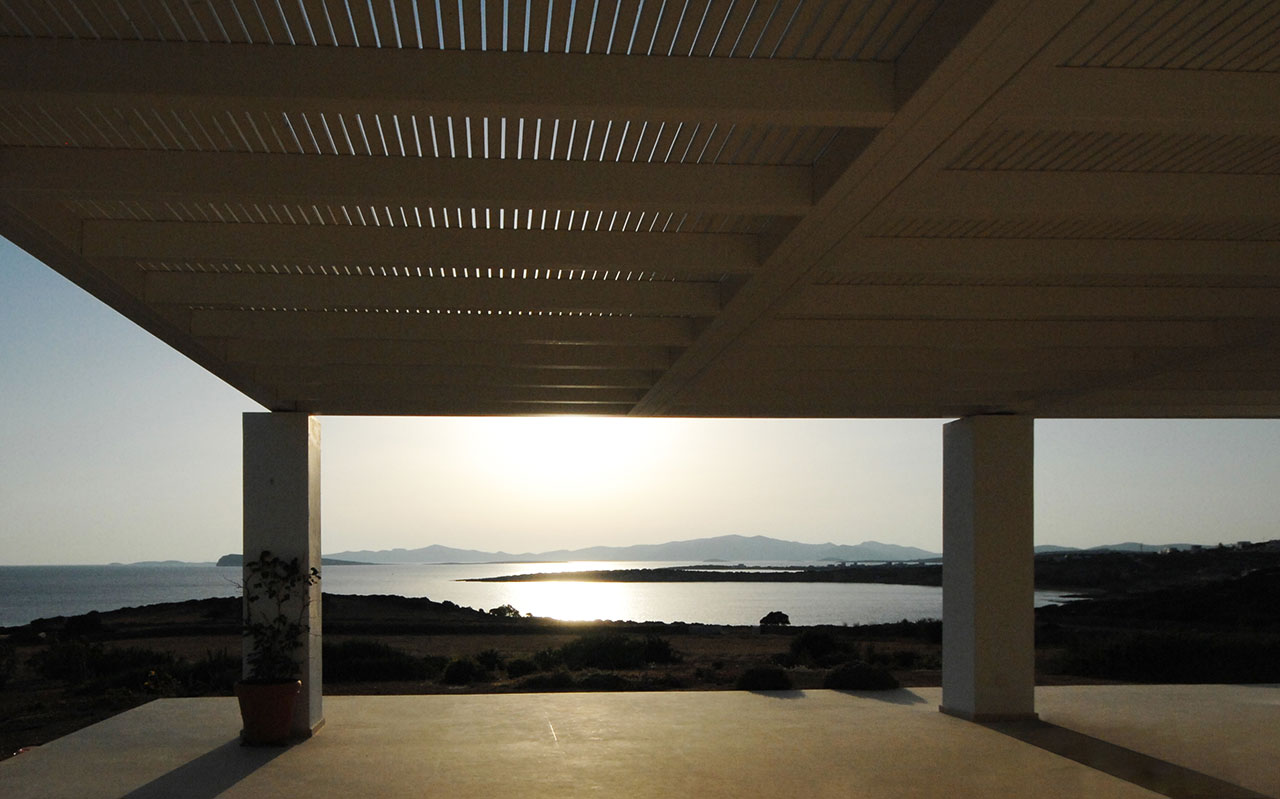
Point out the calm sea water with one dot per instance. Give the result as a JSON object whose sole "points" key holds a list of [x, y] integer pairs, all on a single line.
{"points": [[31, 592]]}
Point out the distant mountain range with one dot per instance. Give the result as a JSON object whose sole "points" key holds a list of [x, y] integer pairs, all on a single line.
{"points": [[732, 548], [721, 548], [1127, 546]]}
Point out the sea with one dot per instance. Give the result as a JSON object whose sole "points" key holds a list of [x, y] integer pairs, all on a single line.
{"points": [[32, 592]]}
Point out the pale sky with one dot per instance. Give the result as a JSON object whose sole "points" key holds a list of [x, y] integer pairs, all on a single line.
{"points": [[113, 447]]}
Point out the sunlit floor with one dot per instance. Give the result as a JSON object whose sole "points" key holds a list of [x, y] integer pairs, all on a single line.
{"points": [[1105, 741]]}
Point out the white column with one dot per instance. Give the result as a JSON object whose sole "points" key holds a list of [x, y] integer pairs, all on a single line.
{"points": [[988, 623], [282, 515]]}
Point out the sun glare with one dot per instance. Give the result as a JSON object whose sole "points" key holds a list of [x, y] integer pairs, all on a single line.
{"points": [[567, 452]]}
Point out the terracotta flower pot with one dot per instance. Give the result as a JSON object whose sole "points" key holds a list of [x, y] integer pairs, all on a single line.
{"points": [[267, 711]]}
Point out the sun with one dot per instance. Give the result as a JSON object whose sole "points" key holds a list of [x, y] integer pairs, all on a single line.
{"points": [[558, 453]]}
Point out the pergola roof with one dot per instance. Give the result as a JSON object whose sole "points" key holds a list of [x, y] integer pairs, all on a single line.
{"points": [[711, 208]]}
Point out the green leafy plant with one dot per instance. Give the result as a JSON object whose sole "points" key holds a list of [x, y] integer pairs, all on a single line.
{"points": [[275, 621]]}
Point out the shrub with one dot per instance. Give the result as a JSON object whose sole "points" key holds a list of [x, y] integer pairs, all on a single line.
{"points": [[604, 681], [504, 612], [815, 646], [658, 650], [1175, 657], [490, 659], [79, 626], [70, 662], [555, 681], [216, 672], [774, 618], [616, 651], [461, 672], [8, 662], [859, 676], [521, 667], [764, 678], [100, 670], [434, 665], [371, 661], [547, 659]]}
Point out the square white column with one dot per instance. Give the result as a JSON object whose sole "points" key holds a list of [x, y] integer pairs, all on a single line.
{"points": [[282, 516], [988, 620]]}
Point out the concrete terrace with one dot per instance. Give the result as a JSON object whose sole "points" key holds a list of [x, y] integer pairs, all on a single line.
{"points": [[1094, 741]]}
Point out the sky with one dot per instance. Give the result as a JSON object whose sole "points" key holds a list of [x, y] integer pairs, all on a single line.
{"points": [[115, 448]]}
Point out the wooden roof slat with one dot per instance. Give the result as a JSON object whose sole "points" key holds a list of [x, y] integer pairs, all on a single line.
{"points": [[544, 329], [744, 189], [442, 248]]}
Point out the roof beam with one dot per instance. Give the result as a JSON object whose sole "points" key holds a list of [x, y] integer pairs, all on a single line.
{"points": [[460, 397], [425, 247], [290, 379], [319, 292], [968, 334], [1040, 257], [1030, 302], [416, 402], [942, 360], [488, 183], [1016, 194], [433, 353], [422, 82], [665, 332], [1163, 100]]}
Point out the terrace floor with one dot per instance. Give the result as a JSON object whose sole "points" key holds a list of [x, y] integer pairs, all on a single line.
{"points": [[1092, 741]]}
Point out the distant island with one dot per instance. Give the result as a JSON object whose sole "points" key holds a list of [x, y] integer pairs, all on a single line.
{"points": [[1098, 572]]}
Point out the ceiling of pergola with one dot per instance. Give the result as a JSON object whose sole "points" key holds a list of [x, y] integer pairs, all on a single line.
{"points": [[673, 207]]}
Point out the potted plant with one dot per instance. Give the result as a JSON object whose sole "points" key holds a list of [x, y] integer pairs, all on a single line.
{"points": [[275, 626]]}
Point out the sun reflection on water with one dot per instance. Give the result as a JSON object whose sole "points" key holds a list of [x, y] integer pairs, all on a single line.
{"points": [[572, 600]]}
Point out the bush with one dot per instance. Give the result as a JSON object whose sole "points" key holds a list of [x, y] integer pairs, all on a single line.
{"points": [[79, 626], [859, 676], [504, 612], [658, 650], [371, 661], [490, 659], [461, 672], [555, 681], [215, 673], [764, 678], [774, 618], [77, 662], [616, 651], [1175, 657], [547, 659], [604, 681], [521, 667], [815, 646], [97, 669], [8, 662]]}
